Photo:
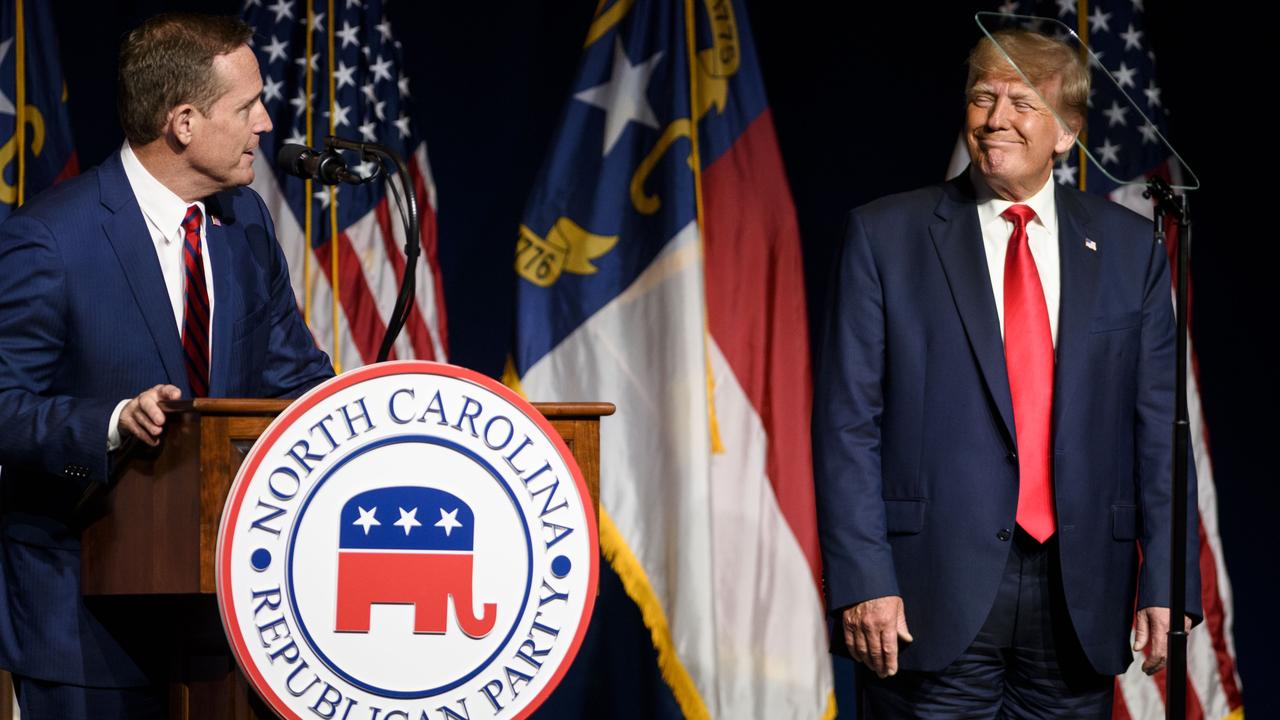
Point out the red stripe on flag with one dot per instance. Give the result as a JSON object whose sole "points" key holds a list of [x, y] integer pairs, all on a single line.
{"points": [[756, 311], [1119, 710], [358, 303], [71, 169], [415, 326], [430, 241], [1215, 620]]}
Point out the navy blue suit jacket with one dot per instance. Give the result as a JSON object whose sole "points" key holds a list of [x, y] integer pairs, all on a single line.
{"points": [[915, 450], [85, 322]]}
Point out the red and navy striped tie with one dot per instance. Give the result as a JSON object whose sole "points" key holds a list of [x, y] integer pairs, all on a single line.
{"points": [[195, 318]]}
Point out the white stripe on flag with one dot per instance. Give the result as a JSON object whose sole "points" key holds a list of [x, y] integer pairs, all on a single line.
{"points": [[770, 635], [644, 351]]}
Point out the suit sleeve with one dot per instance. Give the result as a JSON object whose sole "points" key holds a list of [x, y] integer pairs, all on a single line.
{"points": [[294, 363], [45, 430], [848, 404], [1153, 440]]}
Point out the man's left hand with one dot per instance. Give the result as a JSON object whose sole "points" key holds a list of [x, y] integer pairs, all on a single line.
{"points": [[1152, 626]]}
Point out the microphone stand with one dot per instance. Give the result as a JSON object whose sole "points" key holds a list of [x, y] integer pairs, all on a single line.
{"points": [[1176, 206], [412, 242]]}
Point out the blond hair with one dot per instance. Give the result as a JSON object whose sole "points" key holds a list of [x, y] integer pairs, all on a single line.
{"points": [[1041, 59]]}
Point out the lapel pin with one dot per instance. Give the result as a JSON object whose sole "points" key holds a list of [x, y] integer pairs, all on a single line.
{"points": [[1093, 246], [216, 222]]}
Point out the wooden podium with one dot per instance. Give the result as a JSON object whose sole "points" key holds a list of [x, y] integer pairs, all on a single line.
{"points": [[148, 558]]}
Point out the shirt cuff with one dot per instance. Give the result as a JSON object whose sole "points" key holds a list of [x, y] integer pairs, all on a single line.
{"points": [[114, 441]]}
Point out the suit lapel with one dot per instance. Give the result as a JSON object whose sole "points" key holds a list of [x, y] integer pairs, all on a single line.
{"points": [[127, 232], [225, 296], [1080, 268], [958, 241]]}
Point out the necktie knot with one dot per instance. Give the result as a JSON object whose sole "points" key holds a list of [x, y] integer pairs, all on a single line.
{"points": [[1019, 215], [191, 222]]}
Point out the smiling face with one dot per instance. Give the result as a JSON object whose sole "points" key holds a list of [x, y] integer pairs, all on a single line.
{"points": [[220, 145], [1012, 135]]}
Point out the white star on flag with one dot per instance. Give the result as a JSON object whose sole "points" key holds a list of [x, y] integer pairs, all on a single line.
{"points": [[282, 9], [1153, 94], [623, 98], [381, 69], [1115, 115], [367, 519], [348, 34], [271, 90], [1148, 133], [448, 521], [277, 49], [1124, 76], [317, 22], [6, 105], [1065, 174], [344, 75], [1099, 21], [408, 520], [1132, 38], [1109, 153]]}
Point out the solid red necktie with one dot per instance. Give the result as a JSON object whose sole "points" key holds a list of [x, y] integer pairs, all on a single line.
{"points": [[195, 318], [1028, 356]]}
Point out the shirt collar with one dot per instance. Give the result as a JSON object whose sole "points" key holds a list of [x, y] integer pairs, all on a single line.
{"points": [[1044, 203], [160, 205]]}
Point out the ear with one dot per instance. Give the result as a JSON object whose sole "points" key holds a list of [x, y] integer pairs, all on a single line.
{"points": [[1066, 138], [181, 123]]}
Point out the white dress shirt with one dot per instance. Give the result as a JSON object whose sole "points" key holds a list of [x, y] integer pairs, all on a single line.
{"points": [[1042, 236], [164, 212]]}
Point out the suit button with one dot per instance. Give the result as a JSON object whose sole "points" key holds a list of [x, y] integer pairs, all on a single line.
{"points": [[1004, 535]]}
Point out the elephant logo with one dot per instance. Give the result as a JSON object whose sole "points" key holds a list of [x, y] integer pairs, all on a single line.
{"points": [[408, 546]]}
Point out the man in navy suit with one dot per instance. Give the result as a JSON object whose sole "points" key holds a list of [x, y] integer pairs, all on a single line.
{"points": [[992, 423], [155, 276]]}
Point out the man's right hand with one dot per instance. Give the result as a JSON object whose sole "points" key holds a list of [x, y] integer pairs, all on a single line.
{"points": [[872, 630], [142, 416]]}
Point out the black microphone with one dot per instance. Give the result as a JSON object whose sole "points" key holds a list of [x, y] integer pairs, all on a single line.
{"points": [[326, 168]]}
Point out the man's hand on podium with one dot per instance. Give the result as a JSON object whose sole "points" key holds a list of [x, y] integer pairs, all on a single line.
{"points": [[142, 416]]}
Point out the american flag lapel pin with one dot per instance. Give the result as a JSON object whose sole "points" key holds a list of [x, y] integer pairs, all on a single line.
{"points": [[216, 222], [1093, 246]]}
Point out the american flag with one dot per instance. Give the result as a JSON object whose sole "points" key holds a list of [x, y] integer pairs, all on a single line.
{"points": [[334, 67], [1129, 148]]}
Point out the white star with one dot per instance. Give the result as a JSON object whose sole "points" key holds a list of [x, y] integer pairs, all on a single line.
{"points": [[1110, 153], [251, 3], [323, 196], [344, 75], [368, 91], [1137, 5], [1153, 94], [297, 138], [1099, 21], [448, 521], [408, 520], [317, 22], [348, 34], [379, 109], [299, 101], [1148, 133], [6, 105], [366, 50], [271, 90], [1066, 7], [1009, 8], [353, 3], [315, 62], [1124, 76], [1132, 38], [1065, 174], [1115, 116], [403, 84], [282, 9], [277, 49], [367, 131], [384, 27], [623, 97], [381, 70], [339, 115], [363, 169], [402, 124], [367, 519]]}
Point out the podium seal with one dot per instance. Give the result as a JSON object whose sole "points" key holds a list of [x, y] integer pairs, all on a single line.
{"points": [[409, 540]]}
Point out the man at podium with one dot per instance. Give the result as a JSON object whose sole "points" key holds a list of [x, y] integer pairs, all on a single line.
{"points": [[155, 276]]}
